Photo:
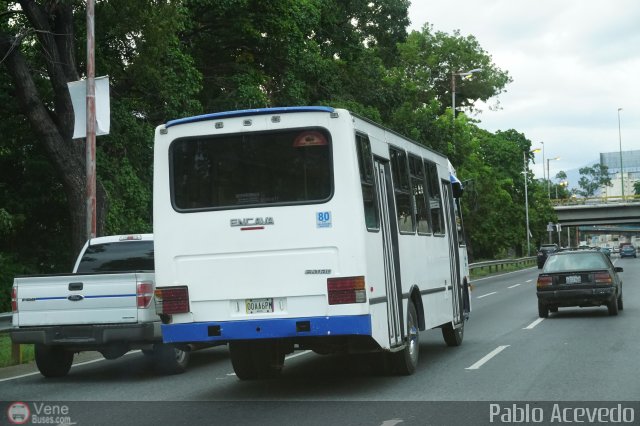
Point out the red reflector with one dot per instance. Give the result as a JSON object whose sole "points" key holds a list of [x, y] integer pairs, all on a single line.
{"points": [[602, 278], [14, 299], [346, 290], [544, 281], [172, 300], [144, 294]]}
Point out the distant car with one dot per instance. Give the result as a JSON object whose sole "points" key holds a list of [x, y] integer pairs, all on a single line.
{"points": [[606, 251], [544, 251], [628, 251], [579, 278]]}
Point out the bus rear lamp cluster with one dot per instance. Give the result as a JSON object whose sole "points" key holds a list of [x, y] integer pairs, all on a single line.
{"points": [[144, 294], [346, 290], [172, 300]]}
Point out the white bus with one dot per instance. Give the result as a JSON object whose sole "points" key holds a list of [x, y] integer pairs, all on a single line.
{"points": [[291, 228]]}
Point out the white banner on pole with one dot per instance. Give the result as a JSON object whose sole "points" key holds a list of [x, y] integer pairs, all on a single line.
{"points": [[78, 92]]}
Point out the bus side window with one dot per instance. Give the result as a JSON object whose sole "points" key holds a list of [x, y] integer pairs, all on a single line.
{"points": [[419, 194], [435, 199], [402, 189], [365, 162]]}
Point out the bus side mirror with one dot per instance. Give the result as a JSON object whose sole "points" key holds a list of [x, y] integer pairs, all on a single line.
{"points": [[457, 189]]}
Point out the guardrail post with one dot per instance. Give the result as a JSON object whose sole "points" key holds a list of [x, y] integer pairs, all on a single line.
{"points": [[16, 353]]}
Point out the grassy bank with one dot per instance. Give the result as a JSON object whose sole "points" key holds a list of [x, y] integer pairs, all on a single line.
{"points": [[26, 351]]}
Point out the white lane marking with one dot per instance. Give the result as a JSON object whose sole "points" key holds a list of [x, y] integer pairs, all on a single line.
{"points": [[487, 357], [392, 422], [529, 281], [72, 366], [533, 324], [513, 286], [488, 294], [298, 354]]}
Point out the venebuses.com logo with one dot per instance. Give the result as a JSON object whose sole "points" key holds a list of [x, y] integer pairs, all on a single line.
{"points": [[20, 413]]}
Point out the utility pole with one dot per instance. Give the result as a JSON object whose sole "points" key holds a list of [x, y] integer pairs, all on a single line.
{"points": [[90, 148]]}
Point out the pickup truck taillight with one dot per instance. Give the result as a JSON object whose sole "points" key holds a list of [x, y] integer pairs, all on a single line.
{"points": [[14, 299], [172, 300], [144, 294]]}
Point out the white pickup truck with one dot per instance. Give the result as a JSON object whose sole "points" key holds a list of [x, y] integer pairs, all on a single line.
{"points": [[105, 305]]}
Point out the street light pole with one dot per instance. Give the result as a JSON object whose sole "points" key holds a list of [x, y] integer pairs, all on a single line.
{"points": [[453, 87], [621, 168], [549, 175], [526, 198]]}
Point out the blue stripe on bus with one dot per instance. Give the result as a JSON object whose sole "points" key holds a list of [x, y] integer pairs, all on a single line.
{"points": [[85, 297], [247, 112], [267, 328]]}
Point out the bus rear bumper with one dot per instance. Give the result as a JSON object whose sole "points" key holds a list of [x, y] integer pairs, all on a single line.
{"points": [[267, 328]]}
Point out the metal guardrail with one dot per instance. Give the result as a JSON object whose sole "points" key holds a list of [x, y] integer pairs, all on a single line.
{"points": [[5, 321], [496, 265]]}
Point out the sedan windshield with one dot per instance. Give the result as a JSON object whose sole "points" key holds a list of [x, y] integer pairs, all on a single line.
{"points": [[575, 262]]}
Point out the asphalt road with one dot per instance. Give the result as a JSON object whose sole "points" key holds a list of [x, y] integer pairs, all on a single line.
{"points": [[509, 356]]}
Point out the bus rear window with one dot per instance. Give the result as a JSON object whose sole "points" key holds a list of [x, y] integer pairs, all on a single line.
{"points": [[251, 169]]}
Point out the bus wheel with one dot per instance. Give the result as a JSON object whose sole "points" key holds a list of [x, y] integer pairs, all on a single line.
{"points": [[406, 360], [256, 359], [453, 336]]}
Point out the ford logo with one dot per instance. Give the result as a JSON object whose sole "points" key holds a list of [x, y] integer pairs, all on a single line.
{"points": [[75, 298]]}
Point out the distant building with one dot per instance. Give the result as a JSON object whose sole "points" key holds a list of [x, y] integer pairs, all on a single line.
{"points": [[630, 175]]}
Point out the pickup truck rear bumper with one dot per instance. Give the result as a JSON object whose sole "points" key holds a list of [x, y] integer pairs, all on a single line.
{"points": [[88, 335]]}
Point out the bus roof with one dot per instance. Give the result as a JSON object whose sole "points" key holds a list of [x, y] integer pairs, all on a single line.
{"points": [[248, 112]]}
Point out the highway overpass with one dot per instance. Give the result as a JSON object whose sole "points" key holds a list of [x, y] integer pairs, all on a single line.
{"points": [[598, 213]]}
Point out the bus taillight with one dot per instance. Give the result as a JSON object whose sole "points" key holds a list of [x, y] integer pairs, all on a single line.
{"points": [[172, 300], [346, 290]]}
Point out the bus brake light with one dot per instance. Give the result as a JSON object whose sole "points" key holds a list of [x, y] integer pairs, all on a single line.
{"points": [[346, 290], [172, 300]]}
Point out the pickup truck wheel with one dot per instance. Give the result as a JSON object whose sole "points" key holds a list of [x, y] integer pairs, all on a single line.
{"points": [[53, 361], [170, 359]]}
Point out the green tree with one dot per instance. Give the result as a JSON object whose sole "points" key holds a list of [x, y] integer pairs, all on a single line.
{"points": [[592, 178]]}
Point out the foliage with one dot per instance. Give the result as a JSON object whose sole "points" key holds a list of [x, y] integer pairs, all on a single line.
{"points": [[592, 178], [168, 60]]}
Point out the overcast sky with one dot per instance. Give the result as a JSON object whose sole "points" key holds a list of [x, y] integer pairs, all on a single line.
{"points": [[573, 64]]}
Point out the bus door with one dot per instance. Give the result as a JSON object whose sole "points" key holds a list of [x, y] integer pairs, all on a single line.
{"points": [[388, 227], [454, 253]]}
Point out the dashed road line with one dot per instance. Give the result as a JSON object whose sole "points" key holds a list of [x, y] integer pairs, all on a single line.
{"points": [[488, 294], [533, 324], [514, 286], [487, 357]]}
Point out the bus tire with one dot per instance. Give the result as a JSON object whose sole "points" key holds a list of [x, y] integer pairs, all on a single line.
{"points": [[406, 360], [256, 359], [53, 361], [453, 336]]}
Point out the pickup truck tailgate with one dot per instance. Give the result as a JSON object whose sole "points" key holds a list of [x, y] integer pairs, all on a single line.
{"points": [[77, 299]]}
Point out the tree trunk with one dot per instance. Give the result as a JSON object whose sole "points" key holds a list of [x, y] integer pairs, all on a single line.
{"points": [[52, 119]]}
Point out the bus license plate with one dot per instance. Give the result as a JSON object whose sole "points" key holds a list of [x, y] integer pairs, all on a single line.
{"points": [[573, 279], [259, 306]]}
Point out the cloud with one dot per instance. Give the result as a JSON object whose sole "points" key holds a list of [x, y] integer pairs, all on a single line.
{"points": [[573, 64]]}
